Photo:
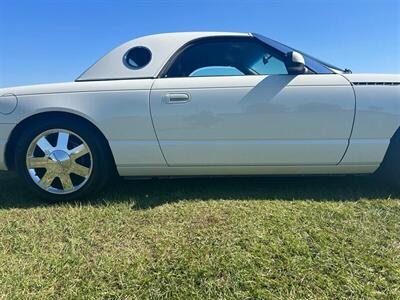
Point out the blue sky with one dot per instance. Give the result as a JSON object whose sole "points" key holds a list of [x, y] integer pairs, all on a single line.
{"points": [[56, 40]]}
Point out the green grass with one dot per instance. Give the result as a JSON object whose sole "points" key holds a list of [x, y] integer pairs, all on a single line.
{"points": [[227, 238]]}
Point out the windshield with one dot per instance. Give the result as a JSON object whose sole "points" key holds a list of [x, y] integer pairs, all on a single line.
{"points": [[313, 63]]}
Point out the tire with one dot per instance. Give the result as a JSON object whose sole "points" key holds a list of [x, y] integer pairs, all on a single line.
{"points": [[389, 171], [60, 149]]}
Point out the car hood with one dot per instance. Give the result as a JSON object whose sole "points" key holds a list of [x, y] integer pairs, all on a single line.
{"points": [[370, 79]]}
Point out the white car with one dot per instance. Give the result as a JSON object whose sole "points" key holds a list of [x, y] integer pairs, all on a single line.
{"points": [[199, 103]]}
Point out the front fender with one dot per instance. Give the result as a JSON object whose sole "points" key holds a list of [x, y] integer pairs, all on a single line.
{"points": [[376, 121]]}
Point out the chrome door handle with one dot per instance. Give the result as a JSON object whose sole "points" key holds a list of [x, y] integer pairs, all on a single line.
{"points": [[177, 98]]}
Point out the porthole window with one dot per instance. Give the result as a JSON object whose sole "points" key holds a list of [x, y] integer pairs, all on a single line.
{"points": [[137, 57]]}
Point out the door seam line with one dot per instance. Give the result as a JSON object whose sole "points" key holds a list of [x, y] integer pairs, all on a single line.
{"points": [[354, 119], [152, 123]]}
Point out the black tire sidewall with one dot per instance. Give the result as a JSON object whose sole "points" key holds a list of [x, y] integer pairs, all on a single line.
{"points": [[100, 161], [389, 170]]}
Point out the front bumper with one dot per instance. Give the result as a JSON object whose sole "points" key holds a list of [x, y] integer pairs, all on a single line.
{"points": [[5, 131]]}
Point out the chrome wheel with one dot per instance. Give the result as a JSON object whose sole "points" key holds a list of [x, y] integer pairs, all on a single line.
{"points": [[59, 161]]}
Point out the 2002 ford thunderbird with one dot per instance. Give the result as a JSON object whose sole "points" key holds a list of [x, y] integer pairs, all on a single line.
{"points": [[200, 103]]}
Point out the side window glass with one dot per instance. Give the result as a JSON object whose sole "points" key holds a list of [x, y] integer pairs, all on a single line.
{"points": [[216, 71], [269, 65], [226, 57]]}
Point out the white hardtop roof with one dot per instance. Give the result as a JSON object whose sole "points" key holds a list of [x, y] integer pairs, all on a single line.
{"points": [[162, 46]]}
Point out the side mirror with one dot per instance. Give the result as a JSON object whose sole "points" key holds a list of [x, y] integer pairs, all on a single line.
{"points": [[295, 63]]}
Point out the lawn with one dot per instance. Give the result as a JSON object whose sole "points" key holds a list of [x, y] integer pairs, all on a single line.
{"points": [[221, 238]]}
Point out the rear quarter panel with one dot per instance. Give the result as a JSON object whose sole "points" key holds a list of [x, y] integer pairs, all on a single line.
{"points": [[120, 109]]}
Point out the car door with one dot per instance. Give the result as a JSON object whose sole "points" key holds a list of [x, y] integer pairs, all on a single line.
{"points": [[231, 102]]}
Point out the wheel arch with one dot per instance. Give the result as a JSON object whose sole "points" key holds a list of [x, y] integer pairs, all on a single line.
{"points": [[394, 142], [13, 139], [390, 156]]}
